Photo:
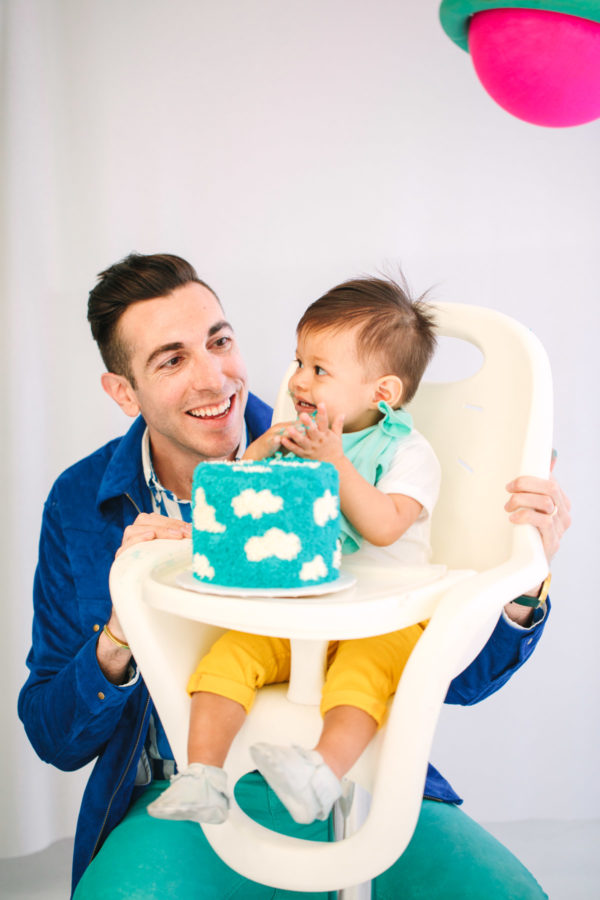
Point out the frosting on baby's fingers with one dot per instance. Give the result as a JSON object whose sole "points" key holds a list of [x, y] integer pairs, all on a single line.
{"points": [[321, 417]]}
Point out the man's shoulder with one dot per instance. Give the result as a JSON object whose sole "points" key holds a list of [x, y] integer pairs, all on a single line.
{"points": [[81, 481], [94, 462], [258, 416]]}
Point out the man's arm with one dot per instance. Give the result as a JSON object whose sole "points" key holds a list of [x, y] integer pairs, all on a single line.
{"points": [[543, 504], [68, 705], [507, 648]]}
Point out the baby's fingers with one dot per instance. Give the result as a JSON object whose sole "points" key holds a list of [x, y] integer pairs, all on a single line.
{"points": [[321, 419], [337, 426]]}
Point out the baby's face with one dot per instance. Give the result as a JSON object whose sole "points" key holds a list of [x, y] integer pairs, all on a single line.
{"points": [[330, 372]]}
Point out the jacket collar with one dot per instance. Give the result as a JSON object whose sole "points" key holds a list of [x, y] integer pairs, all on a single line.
{"points": [[124, 473]]}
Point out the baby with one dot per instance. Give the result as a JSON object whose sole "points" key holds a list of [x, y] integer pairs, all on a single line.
{"points": [[361, 353]]}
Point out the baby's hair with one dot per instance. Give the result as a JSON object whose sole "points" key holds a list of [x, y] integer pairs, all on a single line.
{"points": [[395, 333]]}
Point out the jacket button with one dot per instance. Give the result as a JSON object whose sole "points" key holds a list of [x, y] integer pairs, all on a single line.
{"points": [[100, 695], [96, 627]]}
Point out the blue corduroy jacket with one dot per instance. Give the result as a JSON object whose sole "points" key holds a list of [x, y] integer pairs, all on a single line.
{"points": [[71, 713]]}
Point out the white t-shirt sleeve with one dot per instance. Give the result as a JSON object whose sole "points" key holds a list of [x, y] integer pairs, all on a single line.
{"points": [[415, 472]]}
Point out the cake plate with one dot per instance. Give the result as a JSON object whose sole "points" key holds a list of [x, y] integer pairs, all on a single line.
{"points": [[186, 579]]}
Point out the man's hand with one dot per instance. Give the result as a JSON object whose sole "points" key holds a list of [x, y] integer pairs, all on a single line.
{"points": [[149, 526], [113, 659], [542, 503]]}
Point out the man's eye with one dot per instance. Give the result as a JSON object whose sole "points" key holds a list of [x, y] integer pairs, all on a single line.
{"points": [[171, 362], [223, 342]]}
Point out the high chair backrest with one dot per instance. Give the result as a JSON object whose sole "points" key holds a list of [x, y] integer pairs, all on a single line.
{"points": [[485, 430]]}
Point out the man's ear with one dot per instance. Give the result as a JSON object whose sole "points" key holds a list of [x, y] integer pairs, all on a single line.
{"points": [[390, 389], [119, 388]]}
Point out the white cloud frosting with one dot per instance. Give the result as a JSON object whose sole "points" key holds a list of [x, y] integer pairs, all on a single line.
{"points": [[325, 508], [204, 514], [202, 566], [314, 569], [337, 555], [256, 503], [296, 463], [275, 542]]}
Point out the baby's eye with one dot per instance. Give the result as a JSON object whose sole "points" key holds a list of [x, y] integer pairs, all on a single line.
{"points": [[298, 362], [319, 370]]}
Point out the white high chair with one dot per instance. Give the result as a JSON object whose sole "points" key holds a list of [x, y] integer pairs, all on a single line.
{"points": [[485, 429]]}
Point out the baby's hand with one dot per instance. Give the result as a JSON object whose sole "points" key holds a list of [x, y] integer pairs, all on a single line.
{"points": [[314, 439], [268, 443]]}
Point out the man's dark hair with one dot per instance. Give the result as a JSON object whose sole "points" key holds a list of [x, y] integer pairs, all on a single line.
{"points": [[135, 278], [395, 333]]}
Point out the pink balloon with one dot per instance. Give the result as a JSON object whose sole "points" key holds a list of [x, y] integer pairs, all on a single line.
{"points": [[542, 67]]}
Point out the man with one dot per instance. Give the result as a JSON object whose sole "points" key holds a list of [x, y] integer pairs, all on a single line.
{"points": [[174, 366]]}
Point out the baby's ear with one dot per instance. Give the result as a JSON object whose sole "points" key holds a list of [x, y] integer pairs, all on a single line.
{"points": [[390, 389]]}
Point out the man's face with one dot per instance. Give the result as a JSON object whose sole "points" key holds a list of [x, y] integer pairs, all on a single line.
{"points": [[189, 376]]}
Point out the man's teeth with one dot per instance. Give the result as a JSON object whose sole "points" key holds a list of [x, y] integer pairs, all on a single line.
{"points": [[209, 411]]}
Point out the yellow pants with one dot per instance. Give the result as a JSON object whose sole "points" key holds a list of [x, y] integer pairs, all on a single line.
{"points": [[363, 673]]}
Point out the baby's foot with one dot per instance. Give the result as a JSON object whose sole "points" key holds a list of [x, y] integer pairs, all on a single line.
{"points": [[301, 779], [199, 793]]}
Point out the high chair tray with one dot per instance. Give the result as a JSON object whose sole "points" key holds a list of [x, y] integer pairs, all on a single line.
{"points": [[370, 600]]}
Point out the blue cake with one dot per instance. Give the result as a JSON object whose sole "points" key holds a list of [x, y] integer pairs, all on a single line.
{"points": [[268, 524]]}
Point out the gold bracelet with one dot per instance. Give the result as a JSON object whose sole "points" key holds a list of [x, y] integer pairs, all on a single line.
{"points": [[114, 639], [534, 602]]}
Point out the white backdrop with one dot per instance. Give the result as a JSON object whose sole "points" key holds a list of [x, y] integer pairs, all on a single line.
{"points": [[283, 147]]}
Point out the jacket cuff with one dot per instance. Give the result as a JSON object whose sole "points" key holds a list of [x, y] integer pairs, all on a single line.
{"points": [[523, 638], [96, 692]]}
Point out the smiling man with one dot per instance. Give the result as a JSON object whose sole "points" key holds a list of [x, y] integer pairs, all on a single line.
{"points": [[186, 377], [173, 364]]}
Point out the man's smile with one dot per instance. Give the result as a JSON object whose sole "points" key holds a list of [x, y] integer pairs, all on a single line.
{"points": [[215, 411]]}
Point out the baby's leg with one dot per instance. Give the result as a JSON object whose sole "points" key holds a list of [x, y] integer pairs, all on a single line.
{"points": [[214, 722], [362, 677], [222, 688], [347, 731]]}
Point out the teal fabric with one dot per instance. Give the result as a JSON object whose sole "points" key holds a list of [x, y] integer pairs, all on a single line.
{"points": [[449, 858], [455, 14], [370, 451], [151, 859]]}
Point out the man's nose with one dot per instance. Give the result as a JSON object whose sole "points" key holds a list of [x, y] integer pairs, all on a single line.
{"points": [[208, 373]]}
